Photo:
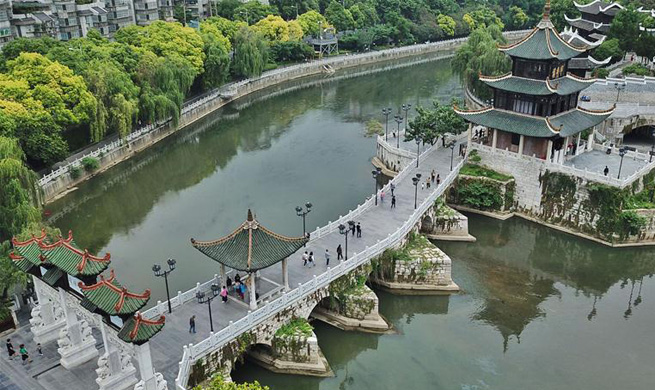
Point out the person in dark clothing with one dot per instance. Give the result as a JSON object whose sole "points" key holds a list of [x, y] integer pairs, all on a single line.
{"points": [[392, 187], [228, 282], [12, 352], [24, 355], [237, 278], [339, 253], [192, 324], [352, 229], [606, 170], [393, 201], [359, 230]]}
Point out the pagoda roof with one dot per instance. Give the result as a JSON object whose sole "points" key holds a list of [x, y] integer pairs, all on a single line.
{"points": [[599, 7], [138, 330], [587, 25], [561, 86], [21, 262], [565, 124], [543, 43], [588, 63], [112, 298], [29, 250], [250, 247], [76, 262], [574, 38]]}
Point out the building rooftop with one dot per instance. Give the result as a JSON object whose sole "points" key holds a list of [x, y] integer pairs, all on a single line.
{"points": [[112, 298], [599, 7], [561, 86]]}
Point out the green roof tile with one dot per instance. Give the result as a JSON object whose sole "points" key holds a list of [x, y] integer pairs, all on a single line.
{"points": [[69, 258], [562, 86], [543, 43], [30, 249], [565, 124], [250, 247], [112, 298], [21, 262], [138, 330], [52, 275]]}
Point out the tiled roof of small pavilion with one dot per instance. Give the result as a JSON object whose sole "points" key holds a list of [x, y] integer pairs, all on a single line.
{"points": [[543, 43], [69, 258], [250, 247], [564, 124], [599, 7], [138, 330], [112, 298], [561, 86], [588, 62], [587, 25], [20, 262], [29, 250], [572, 36]]}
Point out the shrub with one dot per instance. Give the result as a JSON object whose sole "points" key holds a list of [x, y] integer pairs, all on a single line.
{"points": [[636, 69], [75, 172], [374, 127], [90, 164]]}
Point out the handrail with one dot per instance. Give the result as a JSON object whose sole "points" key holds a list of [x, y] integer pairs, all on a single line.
{"points": [[217, 340]]}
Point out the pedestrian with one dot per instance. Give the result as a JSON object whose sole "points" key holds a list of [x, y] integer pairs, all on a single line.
{"points": [[228, 282], [224, 294], [12, 352], [242, 291], [427, 183], [393, 201], [24, 355], [359, 230], [305, 257], [382, 196], [438, 179], [38, 349], [311, 259], [422, 185], [393, 187], [192, 324], [433, 175], [327, 257], [352, 229], [237, 278], [606, 170], [339, 253]]}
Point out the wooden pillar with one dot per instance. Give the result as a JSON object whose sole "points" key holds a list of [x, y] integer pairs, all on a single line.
{"points": [[494, 139], [590, 141], [521, 144], [549, 150], [253, 294], [469, 136], [223, 277], [285, 274]]}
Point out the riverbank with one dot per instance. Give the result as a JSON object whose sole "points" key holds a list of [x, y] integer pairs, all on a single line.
{"points": [[62, 181]]}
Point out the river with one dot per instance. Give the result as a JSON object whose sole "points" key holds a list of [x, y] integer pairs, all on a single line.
{"points": [[539, 309]]}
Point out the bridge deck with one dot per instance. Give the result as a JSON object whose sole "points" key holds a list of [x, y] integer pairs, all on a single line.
{"points": [[377, 223]]}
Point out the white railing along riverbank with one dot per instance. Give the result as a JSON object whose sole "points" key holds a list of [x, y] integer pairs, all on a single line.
{"points": [[215, 341], [269, 78]]}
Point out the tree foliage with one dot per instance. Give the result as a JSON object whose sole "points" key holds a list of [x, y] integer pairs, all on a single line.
{"points": [[311, 22], [339, 17], [430, 124], [250, 53]]}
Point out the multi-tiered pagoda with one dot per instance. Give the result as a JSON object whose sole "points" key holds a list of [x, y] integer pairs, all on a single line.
{"points": [[595, 19], [535, 107]]}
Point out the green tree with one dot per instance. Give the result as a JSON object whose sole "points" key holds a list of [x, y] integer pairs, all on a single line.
{"points": [[625, 27], [559, 8], [480, 55], [311, 22], [339, 17], [228, 28], [518, 17], [645, 45], [217, 383], [250, 53], [447, 24], [217, 55], [430, 124], [609, 48], [290, 9], [274, 28], [482, 17], [253, 11]]}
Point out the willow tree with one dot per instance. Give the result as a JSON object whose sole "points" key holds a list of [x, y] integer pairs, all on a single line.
{"points": [[480, 55], [250, 53]]}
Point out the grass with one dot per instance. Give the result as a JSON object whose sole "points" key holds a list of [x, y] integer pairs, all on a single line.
{"points": [[640, 200], [296, 327], [477, 170]]}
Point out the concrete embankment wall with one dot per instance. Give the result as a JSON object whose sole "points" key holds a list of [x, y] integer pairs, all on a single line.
{"points": [[60, 182]]}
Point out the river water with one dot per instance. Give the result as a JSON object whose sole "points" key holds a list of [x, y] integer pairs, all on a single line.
{"points": [[540, 309]]}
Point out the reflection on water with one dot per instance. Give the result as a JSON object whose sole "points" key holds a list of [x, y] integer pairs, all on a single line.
{"points": [[540, 309], [265, 153]]}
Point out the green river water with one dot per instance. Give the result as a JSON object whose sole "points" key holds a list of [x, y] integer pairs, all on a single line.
{"points": [[539, 309]]}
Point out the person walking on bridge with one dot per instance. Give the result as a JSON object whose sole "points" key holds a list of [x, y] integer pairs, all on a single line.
{"points": [[224, 294], [327, 257], [393, 201], [392, 187], [311, 259], [339, 253], [192, 324], [352, 229], [359, 230], [305, 257], [12, 352]]}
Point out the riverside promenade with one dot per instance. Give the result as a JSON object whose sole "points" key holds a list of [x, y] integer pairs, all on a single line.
{"points": [[175, 349]]}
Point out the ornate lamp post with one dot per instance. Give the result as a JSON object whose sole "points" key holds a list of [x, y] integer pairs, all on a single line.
{"points": [[418, 145], [158, 272], [452, 153], [399, 120], [622, 153], [343, 230], [208, 298], [415, 181], [377, 172], [406, 107], [386, 112], [302, 213], [619, 88]]}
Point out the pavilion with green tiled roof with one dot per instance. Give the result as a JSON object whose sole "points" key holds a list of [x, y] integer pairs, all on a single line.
{"points": [[110, 297], [65, 255], [29, 250], [138, 330], [535, 110], [249, 248]]}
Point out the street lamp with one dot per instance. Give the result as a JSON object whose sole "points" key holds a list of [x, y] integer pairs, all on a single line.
{"points": [[418, 145], [158, 272], [415, 181], [205, 298], [302, 213], [619, 88], [377, 172], [622, 152], [406, 107], [451, 145], [652, 147], [344, 231], [386, 112], [399, 120]]}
